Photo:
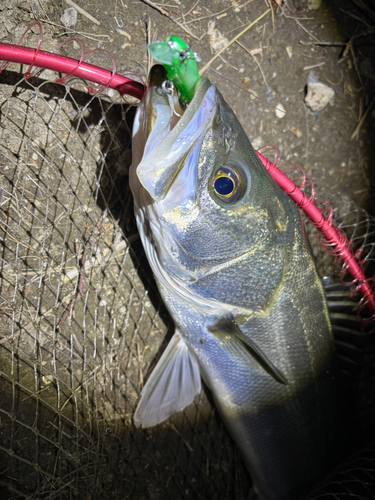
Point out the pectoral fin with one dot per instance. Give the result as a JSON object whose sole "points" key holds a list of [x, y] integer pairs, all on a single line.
{"points": [[172, 385], [229, 326]]}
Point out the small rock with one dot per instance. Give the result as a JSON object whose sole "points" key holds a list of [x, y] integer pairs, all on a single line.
{"points": [[314, 4], [270, 96], [6, 21], [3, 32], [289, 51], [69, 17], [8, 4], [280, 111], [318, 94], [235, 5], [217, 40], [296, 132], [257, 143]]}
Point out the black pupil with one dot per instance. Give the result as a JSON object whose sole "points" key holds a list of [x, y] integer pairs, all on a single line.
{"points": [[224, 186]]}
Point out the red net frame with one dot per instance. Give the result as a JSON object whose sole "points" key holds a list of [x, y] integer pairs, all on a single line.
{"points": [[62, 64]]}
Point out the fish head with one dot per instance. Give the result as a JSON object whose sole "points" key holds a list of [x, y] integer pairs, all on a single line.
{"points": [[209, 204]]}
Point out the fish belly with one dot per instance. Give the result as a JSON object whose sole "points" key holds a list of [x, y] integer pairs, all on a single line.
{"points": [[289, 434]]}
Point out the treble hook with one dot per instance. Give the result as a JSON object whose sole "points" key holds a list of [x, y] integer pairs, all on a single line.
{"points": [[169, 88]]}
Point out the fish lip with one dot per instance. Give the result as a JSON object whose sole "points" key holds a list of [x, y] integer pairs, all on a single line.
{"points": [[156, 91], [162, 141]]}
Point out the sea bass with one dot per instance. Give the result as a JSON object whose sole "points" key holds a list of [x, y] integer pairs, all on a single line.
{"points": [[230, 258]]}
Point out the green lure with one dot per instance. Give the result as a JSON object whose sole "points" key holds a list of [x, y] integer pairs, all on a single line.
{"points": [[180, 62]]}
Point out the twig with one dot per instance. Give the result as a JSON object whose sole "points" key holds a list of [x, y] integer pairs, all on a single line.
{"points": [[82, 273], [314, 66], [148, 32], [173, 427], [333, 83], [140, 365], [165, 13], [83, 12], [191, 10], [329, 44], [90, 36], [269, 3], [43, 9], [214, 14], [304, 29], [360, 123], [232, 41], [229, 64], [367, 10], [357, 18], [348, 47], [355, 64], [208, 16], [256, 62]]}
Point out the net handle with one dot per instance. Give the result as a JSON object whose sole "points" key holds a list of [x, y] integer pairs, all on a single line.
{"points": [[330, 232], [63, 64]]}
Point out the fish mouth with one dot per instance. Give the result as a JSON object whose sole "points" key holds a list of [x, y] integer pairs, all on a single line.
{"points": [[163, 109], [165, 133]]}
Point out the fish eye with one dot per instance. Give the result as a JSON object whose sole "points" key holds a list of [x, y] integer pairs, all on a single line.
{"points": [[228, 184], [224, 186]]}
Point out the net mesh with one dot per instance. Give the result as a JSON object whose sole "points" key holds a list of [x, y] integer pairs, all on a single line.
{"points": [[81, 320]]}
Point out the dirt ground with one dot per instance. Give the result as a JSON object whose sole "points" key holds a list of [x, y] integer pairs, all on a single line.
{"points": [[68, 392], [270, 67]]}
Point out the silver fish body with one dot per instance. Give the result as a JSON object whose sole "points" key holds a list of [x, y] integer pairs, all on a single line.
{"points": [[240, 283]]}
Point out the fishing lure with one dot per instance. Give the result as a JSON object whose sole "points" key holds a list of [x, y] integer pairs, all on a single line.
{"points": [[180, 63]]}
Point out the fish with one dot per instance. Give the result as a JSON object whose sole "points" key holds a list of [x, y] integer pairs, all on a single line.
{"points": [[231, 260]]}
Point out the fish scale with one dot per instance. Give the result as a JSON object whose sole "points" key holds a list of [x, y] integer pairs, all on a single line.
{"points": [[240, 283]]}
